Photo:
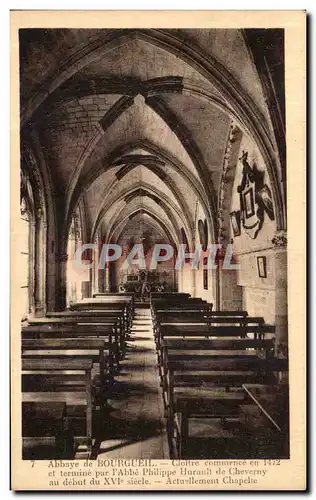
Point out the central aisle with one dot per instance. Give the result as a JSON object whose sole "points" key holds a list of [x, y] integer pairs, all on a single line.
{"points": [[135, 427]]}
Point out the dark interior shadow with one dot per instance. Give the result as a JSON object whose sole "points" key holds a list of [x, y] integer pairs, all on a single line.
{"points": [[135, 349], [134, 338], [130, 430], [122, 390], [113, 447]]}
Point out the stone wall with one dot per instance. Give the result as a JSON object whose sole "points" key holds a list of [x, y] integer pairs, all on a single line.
{"points": [[261, 296]]}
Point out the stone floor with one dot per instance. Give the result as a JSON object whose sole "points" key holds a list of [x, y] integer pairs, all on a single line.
{"points": [[135, 426]]}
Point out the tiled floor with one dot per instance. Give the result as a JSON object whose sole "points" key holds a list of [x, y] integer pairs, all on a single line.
{"points": [[134, 427]]}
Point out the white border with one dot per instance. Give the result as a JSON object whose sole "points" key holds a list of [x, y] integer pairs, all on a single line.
{"points": [[5, 177]]}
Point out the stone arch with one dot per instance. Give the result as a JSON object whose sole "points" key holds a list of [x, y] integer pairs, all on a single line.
{"points": [[148, 190], [33, 193], [211, 69]]}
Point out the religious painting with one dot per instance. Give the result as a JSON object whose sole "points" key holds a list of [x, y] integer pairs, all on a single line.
{"points": [[262, 266], [249, 204]]}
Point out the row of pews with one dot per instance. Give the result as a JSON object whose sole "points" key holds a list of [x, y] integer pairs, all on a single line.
{"points": [[219, 367], [68, 359]]}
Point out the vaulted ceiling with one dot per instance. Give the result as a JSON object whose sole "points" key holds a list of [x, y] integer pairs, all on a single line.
{"points": [[133, 124]]}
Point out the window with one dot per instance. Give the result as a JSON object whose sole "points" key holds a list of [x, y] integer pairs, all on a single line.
{"points": [[24, 245]]}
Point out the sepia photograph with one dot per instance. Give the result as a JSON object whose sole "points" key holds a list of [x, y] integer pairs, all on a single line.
{"points": [[153, 199]]}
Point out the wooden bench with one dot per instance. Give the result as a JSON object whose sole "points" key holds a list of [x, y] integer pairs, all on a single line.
{"points": [[175, 299], [209, 349], [193, 312], [187, 316], [189, 308], [44, 431], [166, 295], [210, 398], [119, 295], [60, 381], [266, 421], [84, 332], [183, 349], [96, 317], [114, 322], [124, 308], [207, 331], [75, 348]]}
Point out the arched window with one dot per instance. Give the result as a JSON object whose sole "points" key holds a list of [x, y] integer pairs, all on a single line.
{"points": [[26, 246], [32, 240], [74, 275], [24, 237]]}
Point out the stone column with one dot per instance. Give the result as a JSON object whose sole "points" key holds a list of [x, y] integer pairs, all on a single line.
{"points": [[95, 271], [106, 277], [40, 265], [101, 278], [61, 287], [32, 266], [229, 294], [281, 308]]}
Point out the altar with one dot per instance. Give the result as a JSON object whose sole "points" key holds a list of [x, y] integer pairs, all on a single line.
{"points": [[142, 283]]}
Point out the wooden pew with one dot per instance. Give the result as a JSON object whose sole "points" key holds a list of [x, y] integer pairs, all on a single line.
{"points": [[176, 303], [214, 400], [219, 326], [169, 295], [42, 379], [106, 295], [220, 348], [44, 431], [205, 330], [192, 315], [75, 348], [266, 422], [173, 348], [189, 309], [92, 316], [107, 332], [96, 317], [116, 322], [124, 305]]}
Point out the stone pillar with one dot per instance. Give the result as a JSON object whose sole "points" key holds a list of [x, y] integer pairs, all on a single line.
{"points": [[281, 308], [106, 277], [40, 265], [31, 270], [61, 286], [101, 279], [50, 277], [229, 294], [95, 271]]}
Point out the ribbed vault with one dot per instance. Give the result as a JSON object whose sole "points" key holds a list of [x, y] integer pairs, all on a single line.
{"points": [[137, 121]]}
